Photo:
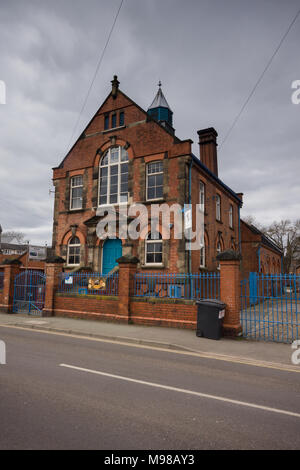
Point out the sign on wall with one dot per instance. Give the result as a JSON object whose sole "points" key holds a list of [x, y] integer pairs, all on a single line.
{"points": [[37, 253]]}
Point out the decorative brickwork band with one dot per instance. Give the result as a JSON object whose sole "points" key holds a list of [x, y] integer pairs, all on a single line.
{"points": [[230, 291]]}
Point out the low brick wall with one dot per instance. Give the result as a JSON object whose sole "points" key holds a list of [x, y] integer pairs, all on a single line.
{"points": [[89, 307], [163, 312], [147, 311]]}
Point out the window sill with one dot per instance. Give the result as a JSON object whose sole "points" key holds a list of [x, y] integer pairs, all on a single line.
{"points": [[155, 201], [153, 266], [106, 131], [219, 221]]}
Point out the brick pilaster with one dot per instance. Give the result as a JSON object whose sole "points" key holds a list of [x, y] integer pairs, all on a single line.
{"points": [[10, 272], [127, 269], [230, 291], [53, 269]]}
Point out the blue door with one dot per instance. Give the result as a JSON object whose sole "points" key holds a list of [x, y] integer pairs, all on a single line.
{"points": [[112, 250]]}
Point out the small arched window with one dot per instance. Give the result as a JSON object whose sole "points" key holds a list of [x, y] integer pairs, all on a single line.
{"points": [[202, 257], [113, 177], [154, 249], [231, 216], [74, 252], [218, 207], [202, 196], [219, 249]]}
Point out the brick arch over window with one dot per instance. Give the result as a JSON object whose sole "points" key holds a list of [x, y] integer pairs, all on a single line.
{"points": [[113, 143], [68, 235]]}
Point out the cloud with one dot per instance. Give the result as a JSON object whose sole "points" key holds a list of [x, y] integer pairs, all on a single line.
{"points": [[208, 55]]}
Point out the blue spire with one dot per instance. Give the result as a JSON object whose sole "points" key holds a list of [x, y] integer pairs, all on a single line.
{"points": [[160, 109]]}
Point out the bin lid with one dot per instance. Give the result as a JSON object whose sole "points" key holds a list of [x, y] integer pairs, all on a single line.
{"points": [[211, 303]]}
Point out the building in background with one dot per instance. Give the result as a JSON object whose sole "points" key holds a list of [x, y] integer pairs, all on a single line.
{"points": [[259, 253]]}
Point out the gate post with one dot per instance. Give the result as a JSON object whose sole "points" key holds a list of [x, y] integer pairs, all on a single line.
{"points": [[230, 291], [53, 269], [11, 270], [127, 269]]}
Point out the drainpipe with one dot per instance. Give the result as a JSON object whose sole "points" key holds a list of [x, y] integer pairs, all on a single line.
{"points": [[259, 259], [190, 202]]}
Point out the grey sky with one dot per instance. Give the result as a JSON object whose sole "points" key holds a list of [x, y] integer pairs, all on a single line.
{"points": [[208, 55]]}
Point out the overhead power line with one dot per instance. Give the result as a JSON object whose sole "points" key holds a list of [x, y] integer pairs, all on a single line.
{"points": [[96, 72], [260, 79]]}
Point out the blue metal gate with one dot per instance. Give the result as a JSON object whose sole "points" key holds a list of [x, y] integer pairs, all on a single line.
{"points": [[29, 292], [270, 307]]}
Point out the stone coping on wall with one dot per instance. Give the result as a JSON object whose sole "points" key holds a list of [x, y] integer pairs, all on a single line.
{"points": [[86, 296], [160, 300]]}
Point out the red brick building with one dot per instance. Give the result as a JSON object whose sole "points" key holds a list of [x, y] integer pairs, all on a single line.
{"points": [[260, 253], [127, 155]]}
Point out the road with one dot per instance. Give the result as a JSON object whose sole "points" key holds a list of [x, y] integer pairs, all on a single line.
{"points": [[64, 392]]}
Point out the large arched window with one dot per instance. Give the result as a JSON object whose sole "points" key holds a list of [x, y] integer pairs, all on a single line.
{"points": [[113, 177], [154, 249], [74, 252]]}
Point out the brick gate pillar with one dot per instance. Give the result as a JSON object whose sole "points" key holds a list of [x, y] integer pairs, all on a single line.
{"points": [[11, 270], [127, 269], [53, 269], [230, 291]]}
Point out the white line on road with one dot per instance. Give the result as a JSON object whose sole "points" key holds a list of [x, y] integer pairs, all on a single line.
{"points": [[182, 390]]}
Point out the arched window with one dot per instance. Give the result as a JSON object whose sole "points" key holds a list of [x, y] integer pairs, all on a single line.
{"points": [[74, 252], [218, 207], [202, 196], [113, 177], [202, 257], [231, 216], [154, 249], [219, 249]]}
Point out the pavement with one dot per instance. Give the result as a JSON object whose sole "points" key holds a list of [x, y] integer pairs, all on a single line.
{"points": [[240, 350]]}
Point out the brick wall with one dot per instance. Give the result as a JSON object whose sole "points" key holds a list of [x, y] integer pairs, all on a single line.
{"points": [[87, 307], [168, 313], [153, 312]]}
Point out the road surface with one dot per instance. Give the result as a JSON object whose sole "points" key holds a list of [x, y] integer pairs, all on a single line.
{"points": [[64, 392]]}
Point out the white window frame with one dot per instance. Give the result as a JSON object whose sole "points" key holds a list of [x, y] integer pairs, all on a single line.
{"points": [[75, 245], [202, 196], [147, 241], [108, 166], [231, 216], [218, 207], [72, 187], [153, 174]]}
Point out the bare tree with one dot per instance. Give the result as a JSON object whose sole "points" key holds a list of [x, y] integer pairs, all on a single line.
{"points": [[12, 236], [286, 234]]}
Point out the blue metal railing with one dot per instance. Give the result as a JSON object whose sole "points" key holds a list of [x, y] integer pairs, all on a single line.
{"points": [[177, 286], [1, 279], [89, 283], [270, 307], [29, 292]]}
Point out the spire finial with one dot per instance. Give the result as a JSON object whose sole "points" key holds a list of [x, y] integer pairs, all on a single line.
{"points": [[159, 84], [115, 86]]}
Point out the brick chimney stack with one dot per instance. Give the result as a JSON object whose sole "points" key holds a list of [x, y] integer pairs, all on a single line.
{"points": [[208, 149]]}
